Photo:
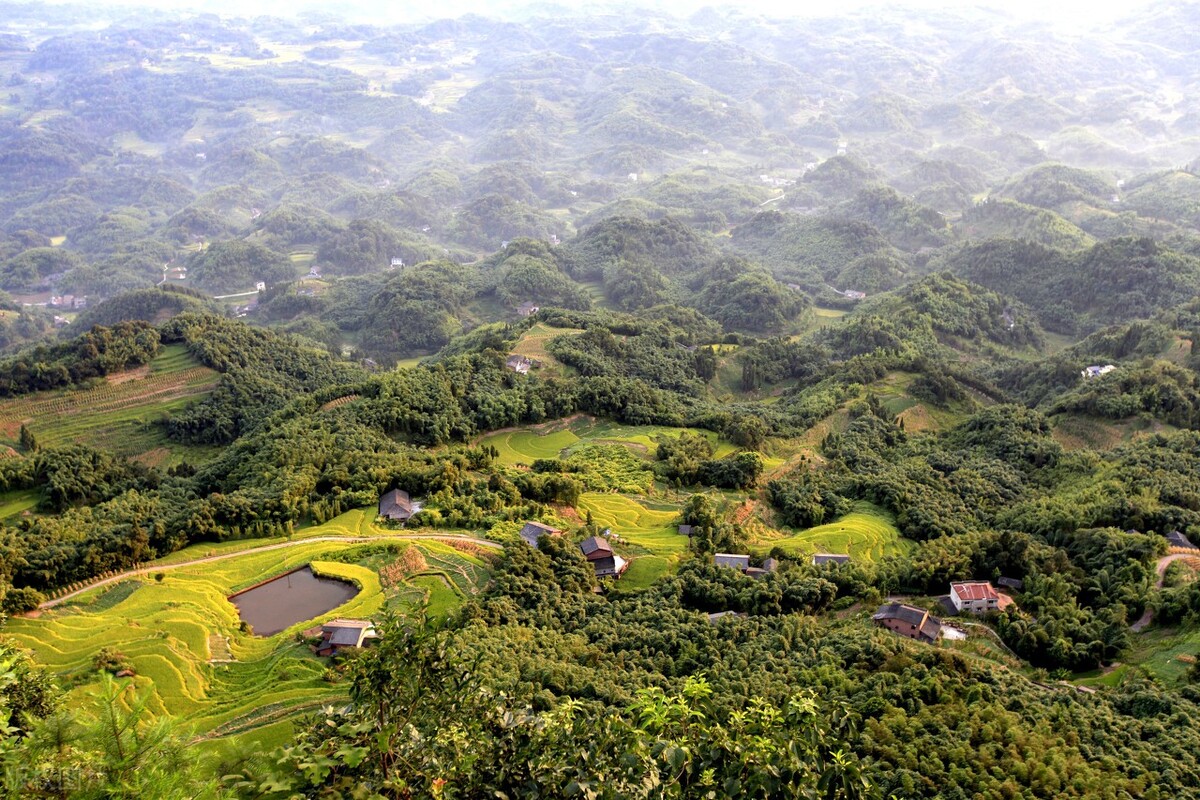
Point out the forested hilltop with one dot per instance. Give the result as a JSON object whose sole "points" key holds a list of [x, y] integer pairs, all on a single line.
{"points": [[664, 393]]}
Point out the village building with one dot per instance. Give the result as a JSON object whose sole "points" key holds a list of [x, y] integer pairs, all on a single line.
{"points": [[741, 563], [519, 364], [527, 309], [1095, 371], [600, 555], [909, 621], [686, 530], [975, 597], [732, 561], [1177, 539], [717, 616], [533, 531], [1016, 584], [819, 559], [338, 634], [397, 505]]}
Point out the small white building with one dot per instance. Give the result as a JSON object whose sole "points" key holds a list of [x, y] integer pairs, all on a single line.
{"points": [[975, 597], [1095, 371]]}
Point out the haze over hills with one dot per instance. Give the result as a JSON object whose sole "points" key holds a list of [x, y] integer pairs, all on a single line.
{"points": [[638, 374]]}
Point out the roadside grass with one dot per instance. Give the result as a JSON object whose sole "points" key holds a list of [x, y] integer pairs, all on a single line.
{"points": [[867, 533]]}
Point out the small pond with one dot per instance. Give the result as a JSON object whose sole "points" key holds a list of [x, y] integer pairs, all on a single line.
{"points": [[295, 597]]}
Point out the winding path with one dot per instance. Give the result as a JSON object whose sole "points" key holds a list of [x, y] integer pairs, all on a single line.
{"points": [[279, 546], [1161, 569]]}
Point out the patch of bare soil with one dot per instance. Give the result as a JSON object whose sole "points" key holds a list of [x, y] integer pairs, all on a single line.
{"points": [[117, 378]]}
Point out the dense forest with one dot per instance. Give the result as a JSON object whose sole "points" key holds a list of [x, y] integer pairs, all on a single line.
{"points": [[917, 288]]}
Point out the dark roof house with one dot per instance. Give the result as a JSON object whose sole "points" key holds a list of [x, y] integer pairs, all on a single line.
{"points": [[340, 633], [1011, 583], [1177, 539], [595, 548], [396, 505], [915, 623], [604, 561], [533, 531], [519, 364], [686, 530], [829, 558], [732, 561]]}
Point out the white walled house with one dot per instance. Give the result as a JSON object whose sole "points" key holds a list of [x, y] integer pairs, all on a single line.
{"points": [[975, 597]]}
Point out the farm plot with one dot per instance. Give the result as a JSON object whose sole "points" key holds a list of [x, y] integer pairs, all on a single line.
{"points": [[171, 627], [867, 533], [533, 343], [651, 530], [527, 445], [18, 502], [120, 414], [562, 437]]}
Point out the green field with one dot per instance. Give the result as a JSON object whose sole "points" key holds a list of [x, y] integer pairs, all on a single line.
{"points": [[167, 631], [533, 343], [652, 530], [120, 414], [867, 533], [526, 446], [555, 439], [18, 502], [1159, 652], [649, 537]]}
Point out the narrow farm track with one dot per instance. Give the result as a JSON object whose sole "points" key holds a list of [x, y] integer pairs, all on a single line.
{"points": [[1161, 569], [254, 550]]}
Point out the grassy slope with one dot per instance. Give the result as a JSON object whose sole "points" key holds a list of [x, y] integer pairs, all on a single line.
{"points": [[14, 503], [555, 439], [867, 533]]}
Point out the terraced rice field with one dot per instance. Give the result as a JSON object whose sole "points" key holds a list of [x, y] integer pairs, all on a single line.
{"points": [[526, 446], [866, 534], [653, 530], [555, 439], [167, 630], [120, 414], [533, 343]]}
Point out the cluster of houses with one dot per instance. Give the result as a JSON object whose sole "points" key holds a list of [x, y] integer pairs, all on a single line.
{"points": [[69, 301], [741, 562], [596, 550], [770, 180], [966, 597]]}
